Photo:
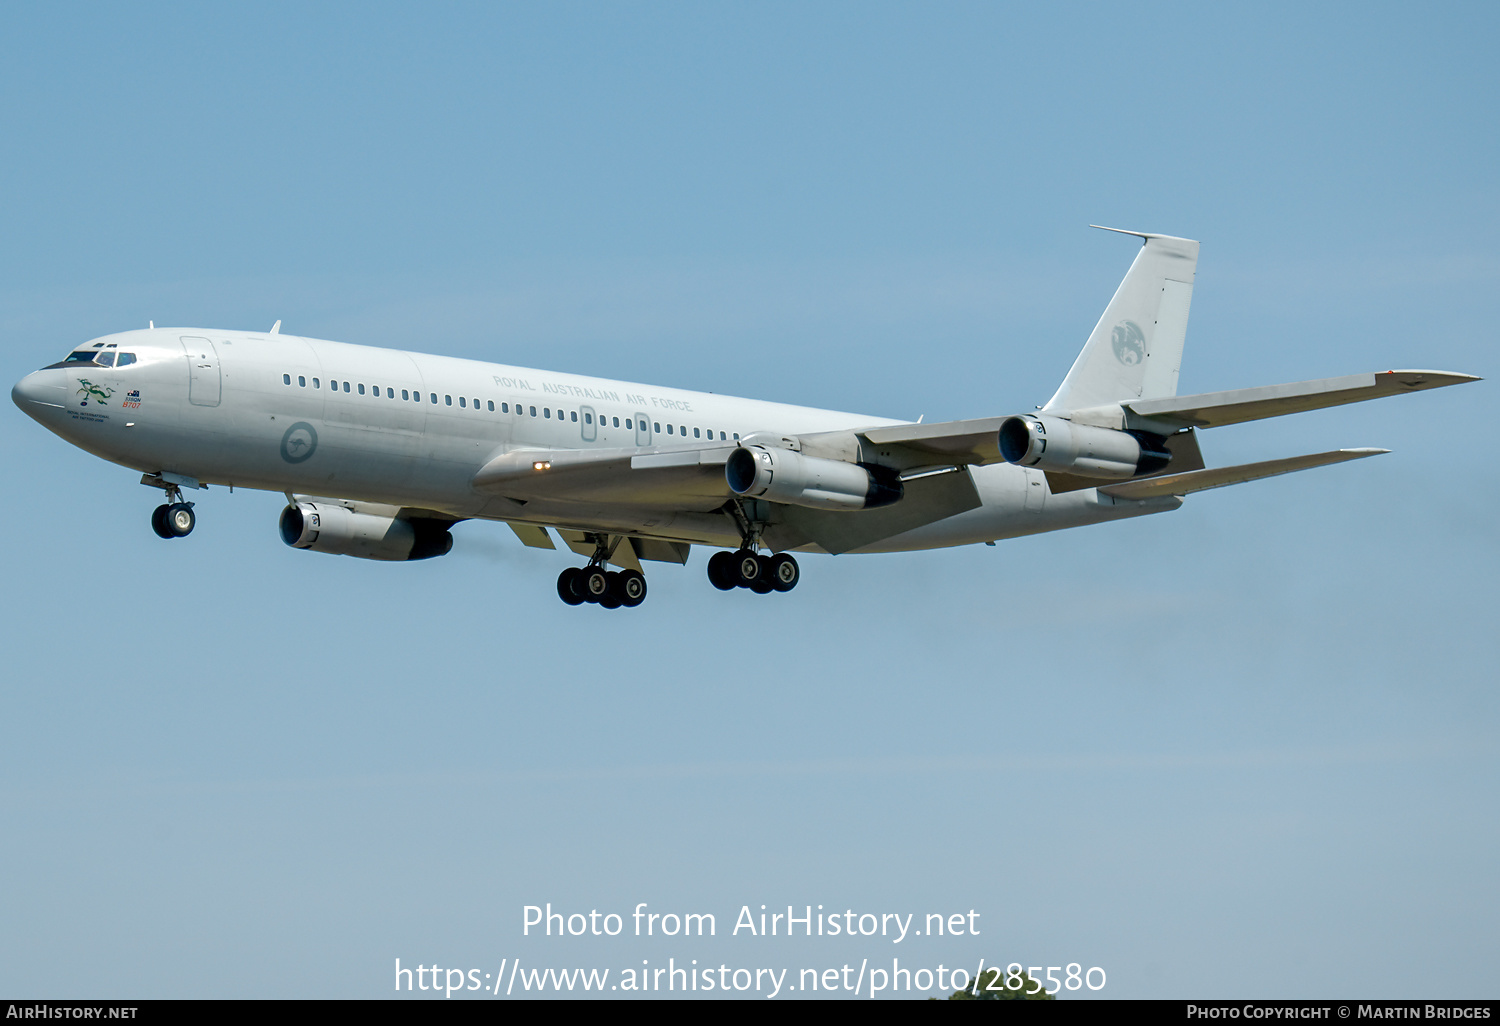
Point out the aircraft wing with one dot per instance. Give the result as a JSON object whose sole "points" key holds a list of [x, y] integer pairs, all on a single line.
{"points": [[1216, 409], [956, 442], [692, 479], [1218, 477], [685, 478]]}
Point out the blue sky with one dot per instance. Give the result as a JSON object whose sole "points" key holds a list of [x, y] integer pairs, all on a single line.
{"points": [[1244, 749]]}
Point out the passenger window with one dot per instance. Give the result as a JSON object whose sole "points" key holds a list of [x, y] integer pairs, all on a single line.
{"points": [[669, 429], [286, 379], [405, 394], [301, 381], [573, 416], [658, 428], [346, 386], [627, 424], [476, 404], [547, 412], [617, 422], [683, 429], [316, 384], [125, 360], [505, 407], [588, 418], [361, 389], [390, 393], [448, 400], [434, 398], [695, 432], [462, 402], [492, 405], [736, 436], [533, 411], [721, 436]]}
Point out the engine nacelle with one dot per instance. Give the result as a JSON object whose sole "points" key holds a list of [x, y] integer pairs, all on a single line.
{"points": [[1052, 443], [328, 527], [781, 475]]}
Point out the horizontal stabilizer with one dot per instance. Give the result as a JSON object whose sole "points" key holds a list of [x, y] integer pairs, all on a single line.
{"points": [[1201, 480], [1216, 409]]}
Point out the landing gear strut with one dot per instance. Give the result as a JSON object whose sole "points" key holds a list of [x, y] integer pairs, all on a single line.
{"points": [[746, 568], [593, 583]]}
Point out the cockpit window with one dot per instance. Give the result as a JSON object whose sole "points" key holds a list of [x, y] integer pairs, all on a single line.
{"points": [[73, 360], [103, 359]]}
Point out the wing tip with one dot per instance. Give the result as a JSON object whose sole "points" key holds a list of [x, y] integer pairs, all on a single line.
{"points": [[1448, 377]]}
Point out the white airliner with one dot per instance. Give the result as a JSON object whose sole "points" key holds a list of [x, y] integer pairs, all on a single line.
{"points": [[381, 451]]}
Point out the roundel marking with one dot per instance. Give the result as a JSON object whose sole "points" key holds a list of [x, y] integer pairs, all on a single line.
{"points": [[1129, 343], [299, 442]]}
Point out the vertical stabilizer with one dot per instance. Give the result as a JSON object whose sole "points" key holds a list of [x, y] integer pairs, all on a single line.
{"points": [[1135, 350]]}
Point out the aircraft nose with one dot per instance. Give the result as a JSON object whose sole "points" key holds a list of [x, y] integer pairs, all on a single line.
{"points": [[43, 388]]}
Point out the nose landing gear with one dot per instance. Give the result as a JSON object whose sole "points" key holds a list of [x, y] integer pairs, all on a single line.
{"points": [[175, 520], [175, 517]]}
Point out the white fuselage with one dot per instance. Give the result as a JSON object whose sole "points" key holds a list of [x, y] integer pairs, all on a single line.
{"points": [[299, 415]]}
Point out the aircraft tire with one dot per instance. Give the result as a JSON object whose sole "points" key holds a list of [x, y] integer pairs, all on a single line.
{"points": [[180, 519], [632, 584], [747, 568], [721, 571], [784, 573], [593, 583], [159, 522], [612, 599], [565, 590]]}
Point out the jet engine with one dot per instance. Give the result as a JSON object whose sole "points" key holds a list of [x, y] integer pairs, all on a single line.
{"points": [[781, 475], [329, 527], [1052, 443]]}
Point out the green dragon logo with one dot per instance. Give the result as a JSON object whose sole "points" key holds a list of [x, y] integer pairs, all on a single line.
{"points": [[98, 393]]}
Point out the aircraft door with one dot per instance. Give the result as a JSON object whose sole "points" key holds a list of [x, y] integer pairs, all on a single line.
{"points": [[203, 371], [642, 429], [589, 428]]}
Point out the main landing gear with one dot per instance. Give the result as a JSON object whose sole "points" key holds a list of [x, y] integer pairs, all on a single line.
{"points": [[745, 567], [593, 583]]}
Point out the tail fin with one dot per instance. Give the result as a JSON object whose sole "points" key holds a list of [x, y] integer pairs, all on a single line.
{"points": [[1135, 350]]}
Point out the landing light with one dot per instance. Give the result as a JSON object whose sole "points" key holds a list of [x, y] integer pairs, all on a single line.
{"points": [[542, 465]]}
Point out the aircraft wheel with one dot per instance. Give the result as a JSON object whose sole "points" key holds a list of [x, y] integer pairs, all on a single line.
{"points": [[721, 571], [593, 583], [612, 599], [565, 587], [159, 522], [632, 587], [747, 568], [784, 572], [180, 519]]}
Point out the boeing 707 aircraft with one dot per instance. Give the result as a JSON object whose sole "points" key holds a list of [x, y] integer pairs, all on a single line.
{"points": [[381, 451]]}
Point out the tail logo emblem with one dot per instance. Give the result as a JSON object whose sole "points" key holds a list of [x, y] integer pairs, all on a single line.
{"points": [[1129, 343]]}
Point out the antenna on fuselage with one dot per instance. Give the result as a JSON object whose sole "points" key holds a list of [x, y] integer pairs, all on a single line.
{"points": [[151, 325], [276, 328]]}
